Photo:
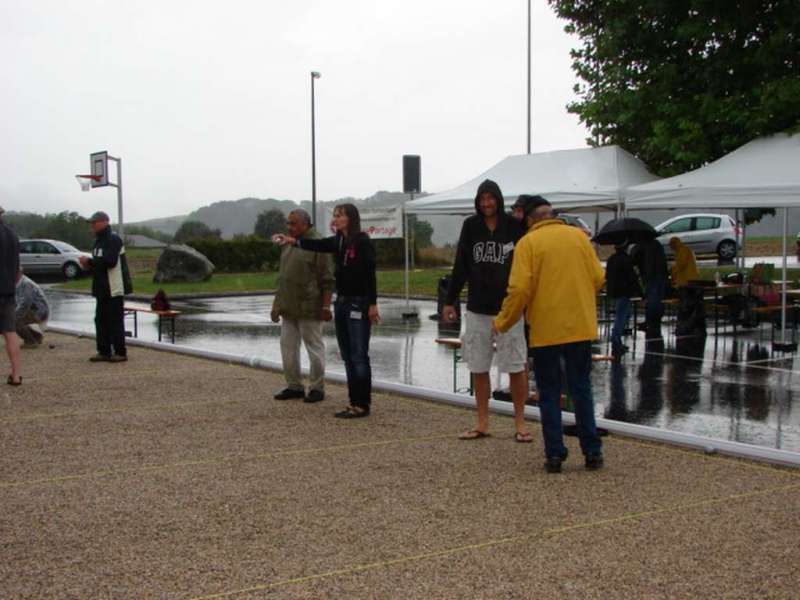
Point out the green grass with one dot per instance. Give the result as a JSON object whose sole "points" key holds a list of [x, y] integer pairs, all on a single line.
{"points": [[219, 283], [421, 282]]}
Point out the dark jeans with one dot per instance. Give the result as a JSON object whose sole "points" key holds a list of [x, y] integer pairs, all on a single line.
{"points": [[547, 369], [352, 333], [109, 323], [691, 312], [655, 291], [622, 310]]}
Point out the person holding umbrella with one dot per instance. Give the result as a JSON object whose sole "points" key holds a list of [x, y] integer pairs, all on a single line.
{"points": [[651, 261], [622, 284], [649, 258]]}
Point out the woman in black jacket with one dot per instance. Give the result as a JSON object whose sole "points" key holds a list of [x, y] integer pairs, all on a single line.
{"points": [[356, 306]]}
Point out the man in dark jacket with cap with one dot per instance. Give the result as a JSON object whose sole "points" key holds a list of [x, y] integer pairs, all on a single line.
{"points": [[9, 267], [483, 261], [110, 282], [521, 206], [650, 259]]}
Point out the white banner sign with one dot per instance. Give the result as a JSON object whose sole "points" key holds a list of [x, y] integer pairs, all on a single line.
{"points": [[379, 223]]}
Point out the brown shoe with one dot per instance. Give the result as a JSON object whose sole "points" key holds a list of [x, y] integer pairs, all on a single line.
{"points": [[100, 358], [118, 358]]}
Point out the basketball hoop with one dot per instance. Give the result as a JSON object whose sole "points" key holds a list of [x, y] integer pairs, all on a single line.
{"points": [[86, 181]]}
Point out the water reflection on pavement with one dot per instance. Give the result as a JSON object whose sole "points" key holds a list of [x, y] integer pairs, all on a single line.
{"points": [[726, 387]]}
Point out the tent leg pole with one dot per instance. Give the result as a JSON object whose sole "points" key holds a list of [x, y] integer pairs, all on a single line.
{"points": [[784, 346], [405, 237], [739, 258], [783, 283]]}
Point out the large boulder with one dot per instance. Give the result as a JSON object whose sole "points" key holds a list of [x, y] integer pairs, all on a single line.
{"points": [[182, 263]]}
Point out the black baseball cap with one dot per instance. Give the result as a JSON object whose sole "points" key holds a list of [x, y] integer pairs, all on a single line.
{"points": [[532, 203]]}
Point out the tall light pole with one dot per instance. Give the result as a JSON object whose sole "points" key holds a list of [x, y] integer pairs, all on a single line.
{"points": [[529, 76], [314, 75]]}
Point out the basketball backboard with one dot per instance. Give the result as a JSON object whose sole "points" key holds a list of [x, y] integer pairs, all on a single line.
{"points": [[98, 165]]}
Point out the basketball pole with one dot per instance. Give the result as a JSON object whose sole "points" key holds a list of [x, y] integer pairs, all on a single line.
{"points": [[118, 185]]}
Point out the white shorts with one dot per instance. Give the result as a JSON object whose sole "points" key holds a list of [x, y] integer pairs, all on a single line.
{"points": [[478, 342]]}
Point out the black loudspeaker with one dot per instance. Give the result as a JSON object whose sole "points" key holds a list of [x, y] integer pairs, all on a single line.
{"points": [[411, 174]]}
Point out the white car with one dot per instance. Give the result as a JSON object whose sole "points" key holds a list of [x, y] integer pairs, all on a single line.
{"points": [[704, 233], [50, 257]]}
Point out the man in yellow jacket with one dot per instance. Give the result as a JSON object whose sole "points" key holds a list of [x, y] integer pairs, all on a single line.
{"points": [[691, 318], [685, 268], [556, 275]]}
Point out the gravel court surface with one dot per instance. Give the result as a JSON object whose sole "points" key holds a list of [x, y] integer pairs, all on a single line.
{"points": [[210, 488]]}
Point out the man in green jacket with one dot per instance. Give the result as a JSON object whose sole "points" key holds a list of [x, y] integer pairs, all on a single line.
{"points": [[303, 302]]}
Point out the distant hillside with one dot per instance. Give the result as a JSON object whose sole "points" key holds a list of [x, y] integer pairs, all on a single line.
{"points": [[239, 216], [168, 225], [232, 217]]}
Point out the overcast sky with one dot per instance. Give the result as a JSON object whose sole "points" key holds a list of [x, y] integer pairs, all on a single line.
{"points": [[208, 101]]}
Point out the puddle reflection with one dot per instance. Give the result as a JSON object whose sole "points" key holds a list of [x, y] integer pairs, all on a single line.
{"points": [[723, 387]]}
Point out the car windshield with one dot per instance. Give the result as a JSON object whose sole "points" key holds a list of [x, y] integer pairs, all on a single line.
{"points": [[64, 247]]}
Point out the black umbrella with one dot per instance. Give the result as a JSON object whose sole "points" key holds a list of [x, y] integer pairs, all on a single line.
{"points": [[620, 231]]}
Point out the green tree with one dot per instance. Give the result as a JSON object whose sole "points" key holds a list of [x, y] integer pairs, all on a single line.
{"points": [[270, 222], [65, 226], [195, 230], [683, 82], [423, 232]]}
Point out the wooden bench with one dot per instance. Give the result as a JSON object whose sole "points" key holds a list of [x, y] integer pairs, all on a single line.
{"points": [[163, 315], [455, 345], [773, 312]]}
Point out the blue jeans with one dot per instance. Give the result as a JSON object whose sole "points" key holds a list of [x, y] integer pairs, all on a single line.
{"points": [[352, 333], [547, 369], [622, 310]]}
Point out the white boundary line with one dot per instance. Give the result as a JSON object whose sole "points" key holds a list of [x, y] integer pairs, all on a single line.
{"points": [[707, 444]]}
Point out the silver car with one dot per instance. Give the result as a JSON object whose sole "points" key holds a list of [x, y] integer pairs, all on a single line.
{"points": [[575, 221], [50, 257], [703, 233]]}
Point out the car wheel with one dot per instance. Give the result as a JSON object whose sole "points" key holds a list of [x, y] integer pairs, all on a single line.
{"points": [[71, 270], [726, 249]]}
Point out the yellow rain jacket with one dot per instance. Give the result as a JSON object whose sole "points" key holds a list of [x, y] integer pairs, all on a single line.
{"points": [[685, 267], [555, 274]]}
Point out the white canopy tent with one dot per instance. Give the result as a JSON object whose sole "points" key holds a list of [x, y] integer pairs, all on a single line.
{"points": [[764, 173], [591, 178], [587, 178]]}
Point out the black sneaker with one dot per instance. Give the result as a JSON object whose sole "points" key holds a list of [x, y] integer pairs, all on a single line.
{"points": [[553, 463], [352, 412], [100, 358], [289, 394], [314, 396], [593, 462]]}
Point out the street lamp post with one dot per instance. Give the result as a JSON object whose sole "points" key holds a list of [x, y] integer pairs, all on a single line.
{"points": [[314, 75], [529, 76]]}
